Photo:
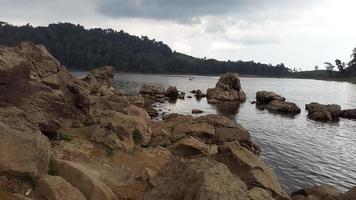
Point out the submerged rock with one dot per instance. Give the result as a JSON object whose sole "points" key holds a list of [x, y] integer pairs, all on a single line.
{"points": [[197, 111], [228, 88]]}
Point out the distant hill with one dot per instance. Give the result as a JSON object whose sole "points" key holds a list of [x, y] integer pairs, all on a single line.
{"points": [[82, 49]]}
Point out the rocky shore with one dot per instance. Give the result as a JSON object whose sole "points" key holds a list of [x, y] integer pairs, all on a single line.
{"points": [[65, 138]]}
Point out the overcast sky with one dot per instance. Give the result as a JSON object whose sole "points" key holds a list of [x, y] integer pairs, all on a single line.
{"points": [[299, 33]]}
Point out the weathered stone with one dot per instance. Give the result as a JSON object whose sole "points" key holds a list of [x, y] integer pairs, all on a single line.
{"points": [[151, 89], [250, 168], [322, 192], [197, 179], [266, 97], [190, 146], [320, 112], [100, 80], [283, 107], [228, 88], [171, 92], [56, 188], [85, 180]]}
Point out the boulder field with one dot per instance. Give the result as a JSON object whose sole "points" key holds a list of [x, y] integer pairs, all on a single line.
{"points": [[66, 138]]}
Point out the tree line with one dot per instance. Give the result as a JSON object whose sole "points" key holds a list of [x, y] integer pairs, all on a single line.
{"points": [[84, 49]]}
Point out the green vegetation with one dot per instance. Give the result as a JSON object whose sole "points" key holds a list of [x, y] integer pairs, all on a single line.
{"points": [[84, 49], [137, 136], [53, 169]]}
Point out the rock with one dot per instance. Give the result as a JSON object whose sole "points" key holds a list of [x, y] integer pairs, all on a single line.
{"points": [[181, 95], [197, 111], [349, 195], [171, 92], [23, 152], [320, 112], [129, 129], [189, 97], [323, 192], [190, 146], [228, 88], [259, 194], [197, 179], [56, 188], [250, 168], [152, 90], [265, 97], [348, 114], [199, 94], [283, 107], [85, 180], [213, 101], [100, 80], [39, 85]]}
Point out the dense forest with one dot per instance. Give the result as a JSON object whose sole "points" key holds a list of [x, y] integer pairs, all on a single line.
{"points": [[82, 49]]}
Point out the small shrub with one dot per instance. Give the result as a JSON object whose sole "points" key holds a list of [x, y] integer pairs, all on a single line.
{"points": [[137, 136], [53, 169]]}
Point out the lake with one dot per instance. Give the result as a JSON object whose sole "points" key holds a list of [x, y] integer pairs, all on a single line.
{"points": [[302, 152]]}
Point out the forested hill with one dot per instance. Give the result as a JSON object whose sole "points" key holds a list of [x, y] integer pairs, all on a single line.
{"points": [[80, 48]]}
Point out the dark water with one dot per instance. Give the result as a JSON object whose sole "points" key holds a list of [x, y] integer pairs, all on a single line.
{"points": [[301, 152]]}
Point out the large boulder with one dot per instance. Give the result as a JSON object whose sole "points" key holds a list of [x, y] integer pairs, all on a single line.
{"points": [[100, 80], [121, 131], [56, 188], [197, 179], [172, 92], [264, 97], [38, 84], [191, 146], [283, 107], [151, 90], [321, 112], [322, 192], [250, 168], [85, 180], [228, 88], [23, 149]]}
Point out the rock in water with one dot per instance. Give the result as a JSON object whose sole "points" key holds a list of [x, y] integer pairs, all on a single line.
{"points": [[265, 97], [322, 192], [197, 111], [283, 107], [228, 88], [321, 112], [348, 114], [172, 92]]}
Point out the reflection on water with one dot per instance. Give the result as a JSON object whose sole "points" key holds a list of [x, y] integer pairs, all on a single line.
{"points": [[301, 152]]}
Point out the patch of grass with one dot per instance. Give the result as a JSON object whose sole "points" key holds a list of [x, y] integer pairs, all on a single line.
{"points": [[53, 169], [137, 136], [27, 178]]}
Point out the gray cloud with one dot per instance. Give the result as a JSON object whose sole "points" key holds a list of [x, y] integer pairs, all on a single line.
{"points": [[188, 11]]}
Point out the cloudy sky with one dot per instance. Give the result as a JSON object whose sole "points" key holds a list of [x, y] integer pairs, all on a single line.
{"points": [[299, 33]]}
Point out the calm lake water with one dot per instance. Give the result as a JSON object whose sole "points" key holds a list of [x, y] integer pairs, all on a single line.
{"points": [[301, 152]]}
